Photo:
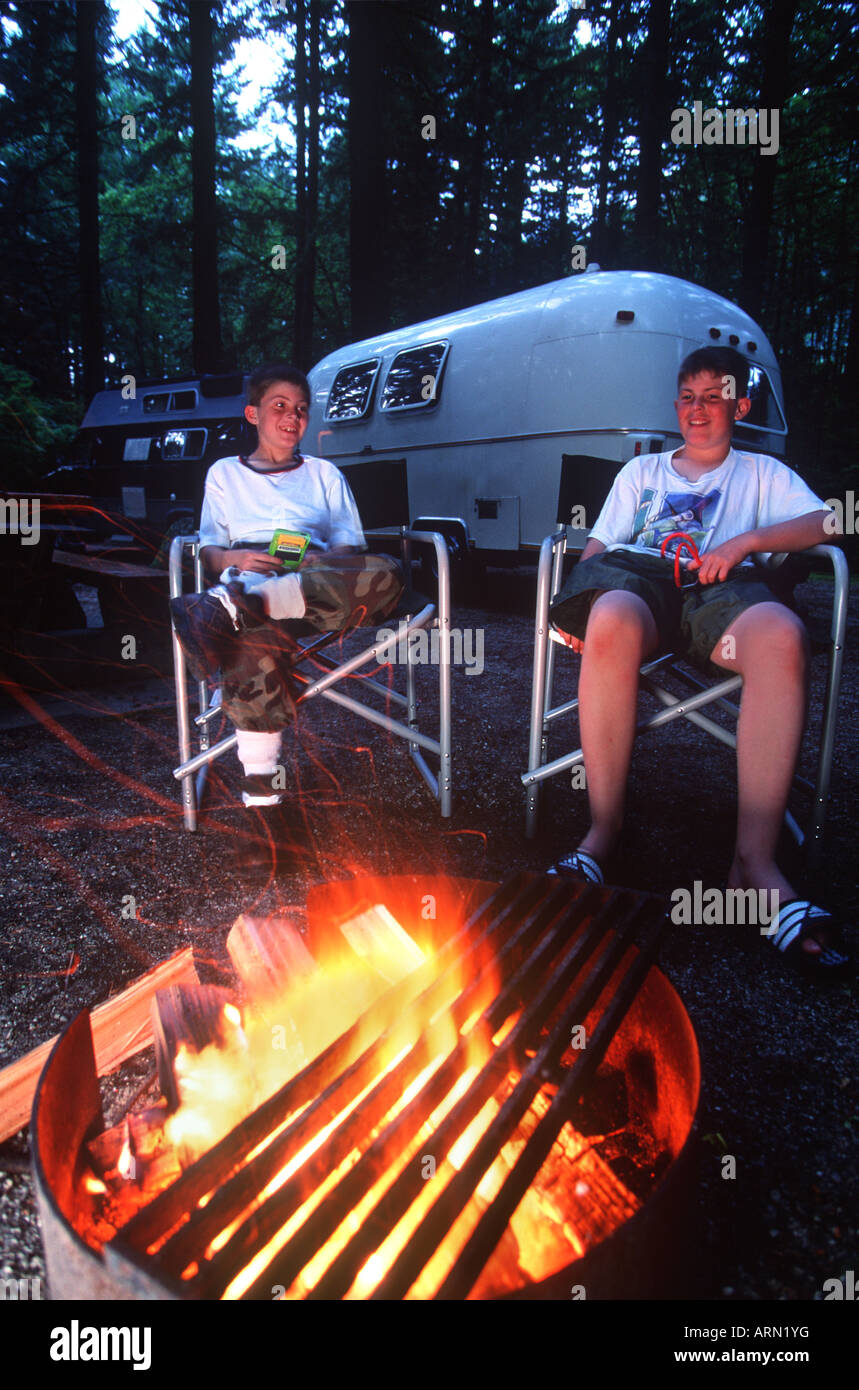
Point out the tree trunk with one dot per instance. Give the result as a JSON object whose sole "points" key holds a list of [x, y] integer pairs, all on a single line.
{"points": [[510, 226], [86, 89], [610, 113], [314, 94], [207, 348], [471, 261], [368, 200], [651, 130], [300, 176], [307, 93], [851, 360], [774, 92]]}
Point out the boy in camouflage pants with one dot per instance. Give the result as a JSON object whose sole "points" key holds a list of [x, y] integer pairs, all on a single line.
{"points": [[303, 506]]}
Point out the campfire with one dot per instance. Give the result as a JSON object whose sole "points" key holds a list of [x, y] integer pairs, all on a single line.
{"points": [[396, 1104]]}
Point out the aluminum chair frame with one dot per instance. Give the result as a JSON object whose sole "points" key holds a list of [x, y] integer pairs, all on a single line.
{"points": [[193, 767], [544, 714]]}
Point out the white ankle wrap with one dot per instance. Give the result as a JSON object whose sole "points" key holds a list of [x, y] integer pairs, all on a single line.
{"points": [[283, 597], [259, 753]]}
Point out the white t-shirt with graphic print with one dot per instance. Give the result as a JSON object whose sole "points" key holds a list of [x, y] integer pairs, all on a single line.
{"points": [[649, 499], [242, 504]]}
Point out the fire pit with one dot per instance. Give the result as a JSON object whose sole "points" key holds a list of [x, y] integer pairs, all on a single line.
{"points": [[511, 1118]]}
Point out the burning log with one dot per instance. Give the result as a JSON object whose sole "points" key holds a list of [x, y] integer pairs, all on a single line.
{"points": [[120, 1028], [268, 955], [189, 1018], [138, 1150], [377, 938]]}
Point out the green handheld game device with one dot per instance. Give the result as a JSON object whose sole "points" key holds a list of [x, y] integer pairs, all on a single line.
{"points": [[289, 547]]}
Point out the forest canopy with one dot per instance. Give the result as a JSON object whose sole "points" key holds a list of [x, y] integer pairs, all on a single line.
{"points": [[426, 155]]}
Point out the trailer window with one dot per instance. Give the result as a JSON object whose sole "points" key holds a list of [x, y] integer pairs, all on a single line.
{"points": [[156, 405], [414, 377], [183, 400], [352, 391], [183, 444], [765, 413]]}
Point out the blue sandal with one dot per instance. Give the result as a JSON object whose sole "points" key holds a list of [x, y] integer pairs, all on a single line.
{"points": [[579, 865]]}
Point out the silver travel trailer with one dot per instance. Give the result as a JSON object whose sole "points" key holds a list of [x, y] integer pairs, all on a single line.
{"points": [[496, 423]]}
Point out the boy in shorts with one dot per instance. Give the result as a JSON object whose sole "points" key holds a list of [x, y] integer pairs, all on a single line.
{"points": [[301, 509], [668, 567]]}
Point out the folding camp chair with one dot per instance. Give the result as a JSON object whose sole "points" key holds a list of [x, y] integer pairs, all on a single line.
{"points": [[544, 715], [193, 768]]}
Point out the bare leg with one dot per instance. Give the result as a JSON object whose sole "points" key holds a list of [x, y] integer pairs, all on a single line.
{"points": [[771, 654], [620, 635]]}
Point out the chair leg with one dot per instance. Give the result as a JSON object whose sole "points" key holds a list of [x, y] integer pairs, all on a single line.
{"points": [[814, 839], [541, 684], [183, 713]]}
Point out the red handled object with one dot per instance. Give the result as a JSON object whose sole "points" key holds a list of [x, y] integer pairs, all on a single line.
{"points": [[686, 543]]}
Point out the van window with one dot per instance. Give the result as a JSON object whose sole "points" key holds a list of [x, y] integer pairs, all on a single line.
{"points": [[183, 444], [765, 413], [160, 402], [136, 450], [352, 391], [414, 377]]}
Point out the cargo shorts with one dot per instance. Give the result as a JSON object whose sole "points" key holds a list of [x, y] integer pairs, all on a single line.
{"points": [[341, 592], [689, 621]]}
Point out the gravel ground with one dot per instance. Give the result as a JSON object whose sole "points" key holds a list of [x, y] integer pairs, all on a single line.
{"points": [[89, 814]]}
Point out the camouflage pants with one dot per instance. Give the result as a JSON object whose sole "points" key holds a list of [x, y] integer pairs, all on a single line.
{"points": [[341, 592]]}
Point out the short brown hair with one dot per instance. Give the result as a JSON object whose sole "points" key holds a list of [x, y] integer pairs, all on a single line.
{"points": [[721, 361], [269, 374]]}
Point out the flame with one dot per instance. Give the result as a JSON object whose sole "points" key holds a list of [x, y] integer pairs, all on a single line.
{"points": [[272, 1040], [126, 1164]]}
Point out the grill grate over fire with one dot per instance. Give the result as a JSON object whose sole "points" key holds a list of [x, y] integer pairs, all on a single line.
{"points": [[427, 1151]]}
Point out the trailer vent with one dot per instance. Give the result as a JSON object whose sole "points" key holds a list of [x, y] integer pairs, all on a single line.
{"points": [[625, 315], [733, 339], [715, 333]]}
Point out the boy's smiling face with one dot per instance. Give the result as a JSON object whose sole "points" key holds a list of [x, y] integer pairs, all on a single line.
{"points": [[706, 416], [281, 422]]}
